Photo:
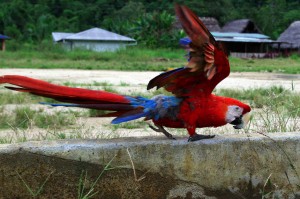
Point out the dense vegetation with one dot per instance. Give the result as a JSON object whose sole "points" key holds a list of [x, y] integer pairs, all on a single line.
{"points": [[150, 22]]}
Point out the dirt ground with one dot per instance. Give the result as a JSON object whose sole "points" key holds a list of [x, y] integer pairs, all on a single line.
{"points": [[235, 80]]}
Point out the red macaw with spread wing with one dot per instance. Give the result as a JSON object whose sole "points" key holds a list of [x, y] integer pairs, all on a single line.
{"points": [[193, 104]]}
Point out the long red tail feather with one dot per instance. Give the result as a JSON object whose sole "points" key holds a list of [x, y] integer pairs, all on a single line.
{"points": [[61, 93]]}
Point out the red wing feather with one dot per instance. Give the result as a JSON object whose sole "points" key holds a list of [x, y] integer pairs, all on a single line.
{"points": [[207, 66]]}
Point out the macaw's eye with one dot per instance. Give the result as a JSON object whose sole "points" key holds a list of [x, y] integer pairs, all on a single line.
{"points": [[237, 108]]}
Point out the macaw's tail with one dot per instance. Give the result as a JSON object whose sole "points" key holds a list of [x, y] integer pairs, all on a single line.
{"points": [[124, 108]]}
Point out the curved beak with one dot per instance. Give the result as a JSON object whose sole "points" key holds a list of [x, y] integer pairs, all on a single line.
{"points": [[241, 121]]}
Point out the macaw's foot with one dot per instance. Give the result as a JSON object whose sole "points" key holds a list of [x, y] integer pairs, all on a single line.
{"points": [[196, 137], [161, 129]]}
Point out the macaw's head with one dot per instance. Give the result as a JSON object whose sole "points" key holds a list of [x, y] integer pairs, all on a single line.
{"points": [[238, 113]]}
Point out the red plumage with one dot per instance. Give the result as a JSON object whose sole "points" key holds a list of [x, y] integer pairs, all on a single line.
{"points": [[208, 65]]}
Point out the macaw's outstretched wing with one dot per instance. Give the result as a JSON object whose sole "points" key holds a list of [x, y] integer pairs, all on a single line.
{"points": [[208, 64]]}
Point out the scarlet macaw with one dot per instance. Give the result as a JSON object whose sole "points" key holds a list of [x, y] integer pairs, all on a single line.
{"points": [[193, 104]]}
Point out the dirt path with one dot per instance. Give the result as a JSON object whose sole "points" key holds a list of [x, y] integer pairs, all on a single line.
{"points": [[235, 80]]}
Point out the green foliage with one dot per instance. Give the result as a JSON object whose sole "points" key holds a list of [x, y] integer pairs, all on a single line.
{"points": [[150, 22], [150, 29]]}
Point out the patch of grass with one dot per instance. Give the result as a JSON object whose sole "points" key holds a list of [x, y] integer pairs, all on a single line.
{"points": [[126, 59], [4, 119], [17, 98], [275, 109], [83, 191], [57, 120], [5, 140], [97, 113], [36, 193], [280, 114], [129, 125], [260, 97], [110, 89], [95, 83], [21, 98], [124, 84], [134, 59], [290, 65], [25, 117]]}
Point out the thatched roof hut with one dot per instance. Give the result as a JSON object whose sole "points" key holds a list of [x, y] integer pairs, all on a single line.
{"points": [[211, 23], [291, 36], [241, 26]]}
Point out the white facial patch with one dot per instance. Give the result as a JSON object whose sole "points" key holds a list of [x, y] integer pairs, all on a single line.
{"points": [[233, 112]]}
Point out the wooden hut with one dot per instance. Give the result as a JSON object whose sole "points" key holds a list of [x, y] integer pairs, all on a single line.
{"points": [[242, 38], [290, 38]]}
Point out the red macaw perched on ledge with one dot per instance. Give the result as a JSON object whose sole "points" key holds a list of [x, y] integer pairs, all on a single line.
{"points": [[193, 104]]}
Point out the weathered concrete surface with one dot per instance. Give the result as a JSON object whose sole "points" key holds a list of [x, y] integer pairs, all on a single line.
{"points": [[225, 167]]}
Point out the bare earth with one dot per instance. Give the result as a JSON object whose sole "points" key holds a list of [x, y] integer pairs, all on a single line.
{"points": [[235, 80], [100, 127]]}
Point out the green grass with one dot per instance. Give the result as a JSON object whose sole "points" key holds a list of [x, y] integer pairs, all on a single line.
{"points": [[275, 109], [83, 191], [273, 97], [25, 117], [129, 125], [7, 97], [133, 59], [38, 192], [290, 65], [129, 59]]}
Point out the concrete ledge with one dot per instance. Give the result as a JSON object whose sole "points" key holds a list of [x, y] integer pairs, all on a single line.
{"points": [[236, 166]]}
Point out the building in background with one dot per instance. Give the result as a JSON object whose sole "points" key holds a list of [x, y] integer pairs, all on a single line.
{"points": [[246, 45], [241, 26], [95, 39], [289, 40]]}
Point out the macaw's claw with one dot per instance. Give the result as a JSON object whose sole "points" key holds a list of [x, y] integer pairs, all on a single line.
{"points": [[196, 137], [161, 129]]}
